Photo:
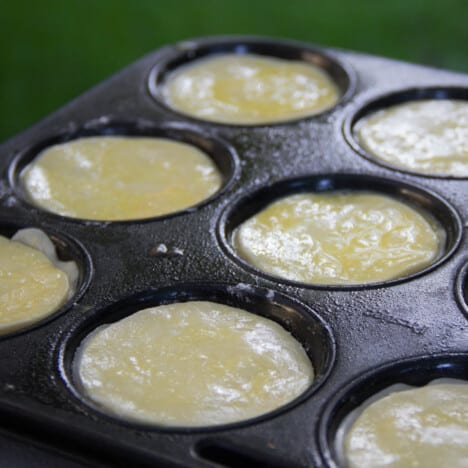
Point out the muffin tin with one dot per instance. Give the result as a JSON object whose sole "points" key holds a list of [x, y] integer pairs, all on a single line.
{"points": [[360, 339]]}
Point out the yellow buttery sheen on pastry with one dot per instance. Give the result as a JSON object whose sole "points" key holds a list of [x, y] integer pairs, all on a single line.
{"points": [[428, 136], [32, 286], [119, 178], [192, 364], [339, 238], [249, 89], [424, 427]]}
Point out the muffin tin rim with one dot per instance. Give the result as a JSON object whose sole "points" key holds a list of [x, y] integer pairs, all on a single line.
{"points": [[231, 42], [388, 99], [304, 184], [129, 127], [190, 291]]}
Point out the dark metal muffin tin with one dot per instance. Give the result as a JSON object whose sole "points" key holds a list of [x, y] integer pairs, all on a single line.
{"points": [[360, 339]]}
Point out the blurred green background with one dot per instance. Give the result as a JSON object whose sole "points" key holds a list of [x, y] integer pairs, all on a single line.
{"points": [[51, 51]]}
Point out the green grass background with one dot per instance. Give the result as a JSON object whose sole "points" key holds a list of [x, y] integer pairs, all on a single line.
{"points": [[51, 51]]}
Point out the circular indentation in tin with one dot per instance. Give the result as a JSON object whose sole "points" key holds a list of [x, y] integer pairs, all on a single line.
{"points": [[412, 95], [461, 288], [303, 324], [423, 200], [67, 249], [189, 52], [220, 153], [415, 372]]}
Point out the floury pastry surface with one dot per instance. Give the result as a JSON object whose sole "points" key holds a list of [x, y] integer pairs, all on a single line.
{"points": [[339, 238], [192, 364], [33, 282], [424, 427], [429, 136], [113, 178], [249, 89]]}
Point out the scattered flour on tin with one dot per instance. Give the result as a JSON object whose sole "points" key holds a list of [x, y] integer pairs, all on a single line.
{"points": [[240, 288], [161, 248], [10, 201], [270, 295]]}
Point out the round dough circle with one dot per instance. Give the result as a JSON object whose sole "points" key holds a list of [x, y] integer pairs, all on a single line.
{"points": [[120, 178], [31, 287], [421, 427], [428, 136], [339, 238], [192, 364], [249, 89]]}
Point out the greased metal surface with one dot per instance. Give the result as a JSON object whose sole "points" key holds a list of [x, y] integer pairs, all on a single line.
{"points": [[357, 337]]}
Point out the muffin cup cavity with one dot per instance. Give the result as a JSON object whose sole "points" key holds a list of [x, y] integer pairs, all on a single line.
{"points": [[67, 249], [388, 100], [414, 372], [302, 322], [416, 197], [220, 152], [190, 51]]}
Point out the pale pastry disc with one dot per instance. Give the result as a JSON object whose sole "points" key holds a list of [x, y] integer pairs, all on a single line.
{"points": [[192, 364], [339, 238], [113, 178], [424, 427], [33, 282], [428, 136], [249, 89]]}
